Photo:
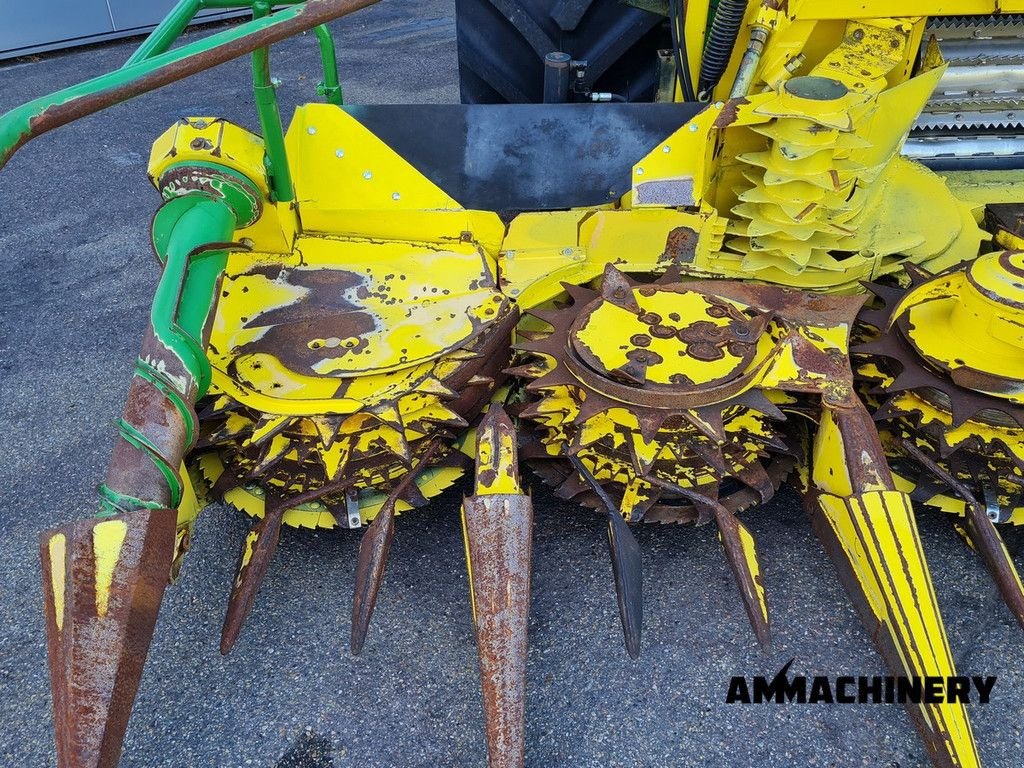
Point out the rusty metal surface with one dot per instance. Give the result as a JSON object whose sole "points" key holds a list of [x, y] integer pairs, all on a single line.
{"points": [[627, 569], [149, 410], [982, 535], [257, 552], [499, 531], [101, 609], [498, 528], [373, 554], [698, 418]]}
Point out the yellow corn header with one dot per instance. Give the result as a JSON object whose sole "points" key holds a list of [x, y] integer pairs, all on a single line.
{"points": [[795, 258]]}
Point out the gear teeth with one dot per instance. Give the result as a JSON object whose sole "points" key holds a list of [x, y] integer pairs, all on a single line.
{"points": [[554, 377], [571, 487], [593, 405], [230, 431], [335, 457], [441, 417], [627, 443], [708, 421], [918, 275], [651, 423], [580, 295], [757, 400], [549, 316], [389, 416], [328, 428], [433, 386], [218, 406], [617, 289], [273, 453], [644, 454], [224, 484], [756, 478], [544, 347], [413, 496], [711, 455], [267, 427], [633, 373], [531, 370], [539, 410]]}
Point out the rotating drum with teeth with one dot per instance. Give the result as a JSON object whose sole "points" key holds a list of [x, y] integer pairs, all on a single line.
{"points": [[653, 387], [332, 375], [943, 367]]}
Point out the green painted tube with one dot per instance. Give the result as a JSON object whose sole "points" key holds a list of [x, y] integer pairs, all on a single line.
{"points": [[26, 122], [169, 30], [185, 294], [330, 88], [270, 117]]}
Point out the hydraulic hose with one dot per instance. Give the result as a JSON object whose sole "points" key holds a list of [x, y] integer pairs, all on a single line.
{"points": [[718, 48]]}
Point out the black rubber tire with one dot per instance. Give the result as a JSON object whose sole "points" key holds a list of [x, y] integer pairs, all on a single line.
{"points": [[502, 44]]}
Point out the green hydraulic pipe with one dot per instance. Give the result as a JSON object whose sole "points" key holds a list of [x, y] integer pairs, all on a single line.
{"points": [[24, 123]]}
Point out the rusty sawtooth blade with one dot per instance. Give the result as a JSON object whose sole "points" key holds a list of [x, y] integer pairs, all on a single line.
{"points": [[103, 580], [626, 565], [373, 555]]}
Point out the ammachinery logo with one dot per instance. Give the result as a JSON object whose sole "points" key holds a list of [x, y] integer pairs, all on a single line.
{"points": [[821, 689]]}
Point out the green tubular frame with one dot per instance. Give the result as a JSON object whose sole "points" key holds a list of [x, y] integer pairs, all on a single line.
{"points": [[186, 234], [155, 64], [172, 27], [191, 233]]}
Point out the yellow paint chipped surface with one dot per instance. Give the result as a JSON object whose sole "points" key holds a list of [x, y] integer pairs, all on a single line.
{"points": [[107, 539], [57, 549]]}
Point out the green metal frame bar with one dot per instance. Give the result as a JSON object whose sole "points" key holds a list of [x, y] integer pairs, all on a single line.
{"points": [[270, 116], [278, 170], [330, 88], [151, 70]]}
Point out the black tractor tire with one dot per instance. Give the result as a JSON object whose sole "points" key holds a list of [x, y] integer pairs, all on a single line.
{"points": [[502, 45]]}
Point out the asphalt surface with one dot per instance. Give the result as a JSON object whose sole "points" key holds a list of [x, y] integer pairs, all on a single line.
{"points": [[77, 281]]}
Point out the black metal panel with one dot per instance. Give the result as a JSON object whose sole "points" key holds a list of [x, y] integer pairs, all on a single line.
{"points": [[514, 157]]}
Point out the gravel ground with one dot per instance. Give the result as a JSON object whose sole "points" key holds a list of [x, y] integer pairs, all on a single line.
{"points": [[79, 278]]}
